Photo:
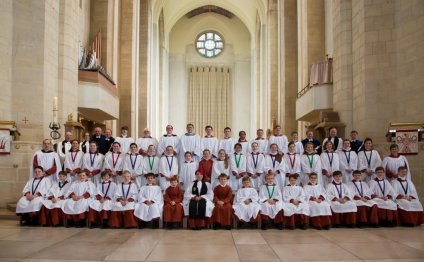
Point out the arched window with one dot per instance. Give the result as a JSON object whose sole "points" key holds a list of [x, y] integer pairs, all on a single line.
{"points": [[209, 44]]}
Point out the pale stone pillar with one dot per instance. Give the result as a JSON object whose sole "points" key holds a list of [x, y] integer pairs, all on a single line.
{"points": [[6, 48], [143, 63], [273, 60]]}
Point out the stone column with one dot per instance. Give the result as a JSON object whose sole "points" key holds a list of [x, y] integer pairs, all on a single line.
{"points": [[6, 48], [143, 72], [273, 60]]}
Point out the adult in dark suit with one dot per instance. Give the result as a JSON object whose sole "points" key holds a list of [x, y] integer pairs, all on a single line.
{"points": [[355, 144], [310, 138], [100, 139]]}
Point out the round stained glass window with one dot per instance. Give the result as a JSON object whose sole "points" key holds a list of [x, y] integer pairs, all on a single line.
{"points": [[209, 44]]}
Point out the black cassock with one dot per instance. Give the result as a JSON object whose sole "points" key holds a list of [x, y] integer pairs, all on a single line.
{"points": [[197, 209]]}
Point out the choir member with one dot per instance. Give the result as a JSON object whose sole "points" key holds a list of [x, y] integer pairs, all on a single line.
{"points": [[292, 163], [227, 143], [273, 164], [190, 142], [150, 202], [48, 160], [84, 145], [144, 142], [92, 162], [319, 208], [280, 140], [151, 164], [262, 142], [392, 163], [311, 163], [337, 142], [168, 167], [101, 207], [368, 160], [246, 205], [206, 165], [124, 203], [256, 166], [298, 144], [238, 167], [343, 208], [222, 195], [294, 196], [271, 201], [124, 140], [169, 139], [310, 138], [29, 205], [198, 205], [329, 162], [367, 208], [243, 142], [51, 212], [348, 161], [64, 146], [383, 194], [209, 142], [355, 144], [173, 211], [73, 161], [78, 198], [187, 171], [221, 165], [133, 162], [114, 162], [409, 206]]}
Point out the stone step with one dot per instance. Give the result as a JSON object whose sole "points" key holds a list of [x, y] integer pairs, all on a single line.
{"points": [[11, 207], [6, 214]]}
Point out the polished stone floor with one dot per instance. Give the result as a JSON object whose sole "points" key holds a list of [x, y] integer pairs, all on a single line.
{"points": [[72, 244]]}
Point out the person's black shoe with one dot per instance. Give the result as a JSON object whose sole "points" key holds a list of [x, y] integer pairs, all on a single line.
{"points": [[264, 225], [228, 227], [280, 226]]}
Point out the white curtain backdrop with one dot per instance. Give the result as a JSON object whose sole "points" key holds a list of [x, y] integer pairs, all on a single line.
{"points": [[209, 97]]}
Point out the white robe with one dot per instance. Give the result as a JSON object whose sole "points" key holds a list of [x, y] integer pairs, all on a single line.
{"points": [[125, 192], [115, 163], [262, 144], [125, 143], [296, 192], [218, 168], [73, 160], [143, 143], [293, 166], [208, 197], [281, 142], [269, 210], [329, 162], [339, 145], [299, 147], [256, 165], [168, 167], [272, 164], [246, 212], [393, 163], [245, 147], [60, 152], [104, 190], [145, 212], [79, 188], [348, 160], [406, 188], [369, 159], [311, 167], [381, 189], [190, 143], [187, 173], [317, 209], [47, 160], [344, 191], [240, 167], [150, 165], [33, 186], [93, 162], [134, 163], [361, 189], [166, 141], [56, 192], [210, 143], [228, 145]]}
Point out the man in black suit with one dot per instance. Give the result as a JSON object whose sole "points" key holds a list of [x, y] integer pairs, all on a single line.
{"points": [[100, 139], [108, 141], [310, 138], [355, 143]]}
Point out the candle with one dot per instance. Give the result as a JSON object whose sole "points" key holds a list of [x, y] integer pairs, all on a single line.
{"points": [[55, 103], [55, 109]]}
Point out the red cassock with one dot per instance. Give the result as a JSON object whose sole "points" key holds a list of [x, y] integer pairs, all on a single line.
{"points": [[173, 213], [222, 214], [206, 166]]}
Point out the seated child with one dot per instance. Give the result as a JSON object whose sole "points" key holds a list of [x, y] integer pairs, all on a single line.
{"points": [[124, 203], [173, 211], [343, 208], [150, 202], [29, 205], [246, 204], [76, 205], [294, 196], [382, 193], [319, 209], [198, 205], [410, 208], [100, 208], [222, 213], [367, 208], [51, 212]]}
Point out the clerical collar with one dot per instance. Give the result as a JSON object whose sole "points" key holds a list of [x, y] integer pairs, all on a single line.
{"points": [[97, 136], [278, 135], [170, 135], [190, 134], [46, 151]]}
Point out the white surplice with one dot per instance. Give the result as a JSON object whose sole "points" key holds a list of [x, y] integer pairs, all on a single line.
{"points": [[91, 162], [125, 192], [246, 211], [341, 190], [293, 166], [210, 143], [58, 189], [190, 143], [79, 188], [296, 192], [383, 188], [369, 160], [187, 173], [208, 197], [149, 212], [73, 160], [405, 187], [348, 160], [281, 141], [125, 143], [329, 162], [168, 167], [218, 168], [238, 164], [134, 163], [166, 141], [317, 209], [104, 190], [38, 188], [115, 163], [255, 166], [46, 159], [361, 189], [391, 164], [311, 163]]}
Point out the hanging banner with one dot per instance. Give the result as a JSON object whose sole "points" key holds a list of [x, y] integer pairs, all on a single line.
{"points": [[407, 140], [5, 139]]}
